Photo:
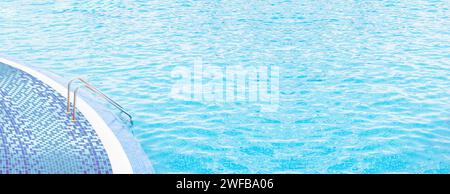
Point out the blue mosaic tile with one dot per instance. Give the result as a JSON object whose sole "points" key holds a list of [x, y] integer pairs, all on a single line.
{"points": [[36, 134]]}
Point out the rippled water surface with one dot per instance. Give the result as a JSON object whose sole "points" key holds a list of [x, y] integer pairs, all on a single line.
{"points": [[364, 85]]}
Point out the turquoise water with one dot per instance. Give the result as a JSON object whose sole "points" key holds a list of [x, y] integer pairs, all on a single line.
{"points": [[364, 85]]}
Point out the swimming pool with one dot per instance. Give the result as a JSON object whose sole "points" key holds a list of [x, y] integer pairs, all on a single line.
{"points": [[363, 87]]}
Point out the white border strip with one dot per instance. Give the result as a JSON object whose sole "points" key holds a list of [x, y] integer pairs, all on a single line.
{"points": [[117, 156]]}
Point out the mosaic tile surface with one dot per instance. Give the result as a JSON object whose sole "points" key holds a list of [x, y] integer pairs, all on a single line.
{"points": [[36, 135]]}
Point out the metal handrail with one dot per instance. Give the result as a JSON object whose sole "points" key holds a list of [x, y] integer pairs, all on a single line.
{"points": [[94, 90]]}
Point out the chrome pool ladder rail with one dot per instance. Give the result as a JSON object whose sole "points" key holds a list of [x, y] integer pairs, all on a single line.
{"points": [[94, 90]]}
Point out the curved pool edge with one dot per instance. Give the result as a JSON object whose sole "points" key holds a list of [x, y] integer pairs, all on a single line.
{"points": [[119, 160]]}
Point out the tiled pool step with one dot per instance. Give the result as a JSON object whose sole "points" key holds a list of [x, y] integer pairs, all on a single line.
{"points": [[36, 134]]}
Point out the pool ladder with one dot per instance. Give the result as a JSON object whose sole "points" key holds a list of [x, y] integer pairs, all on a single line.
{"points": [[94, 90]]}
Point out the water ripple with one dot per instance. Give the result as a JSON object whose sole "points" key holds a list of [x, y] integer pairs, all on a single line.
{"points": [[364, 84]]}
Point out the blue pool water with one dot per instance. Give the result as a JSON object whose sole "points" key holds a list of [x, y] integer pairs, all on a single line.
{"points": [[364, 85]]}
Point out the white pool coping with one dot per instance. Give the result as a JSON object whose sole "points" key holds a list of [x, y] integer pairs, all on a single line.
{"points": [[116, 154]]}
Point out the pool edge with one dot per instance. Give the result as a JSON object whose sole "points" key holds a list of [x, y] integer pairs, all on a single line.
{"points": [[119, 161]]}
